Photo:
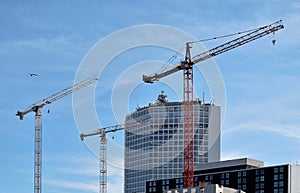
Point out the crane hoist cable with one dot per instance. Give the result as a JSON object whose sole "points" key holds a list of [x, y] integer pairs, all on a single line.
{"points": [[171, 59]]}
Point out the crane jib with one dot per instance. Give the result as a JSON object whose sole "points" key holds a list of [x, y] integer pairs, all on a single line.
{"points": [[235, 43], [56, 96], [251, 36]]}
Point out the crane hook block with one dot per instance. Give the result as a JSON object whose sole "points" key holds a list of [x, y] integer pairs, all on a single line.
{"points": [[82, 136]]}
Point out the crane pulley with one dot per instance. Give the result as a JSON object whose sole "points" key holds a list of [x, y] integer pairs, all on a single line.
{"points": [[187, 67], [37, 108]]}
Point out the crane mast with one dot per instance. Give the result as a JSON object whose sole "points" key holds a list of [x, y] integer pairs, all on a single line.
{"points": [[37, 109], [188, 118], [187, 67]]}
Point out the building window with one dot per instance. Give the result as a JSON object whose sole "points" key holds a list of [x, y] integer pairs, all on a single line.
{"points": [[280, 176], [244, 173], [257, 179], [222, 182], [244, 187], [275, 177], [256, 186], [275, 184], [281, 183], [239, 180], [239, 174], [275, 170], [257, 172], [227, 182], [281, 169], [262, 178], [280, 190], [222, 175], [227, 175]]}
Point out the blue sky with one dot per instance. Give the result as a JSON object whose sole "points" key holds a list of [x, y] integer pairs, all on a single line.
{"points": [[51, 39]]}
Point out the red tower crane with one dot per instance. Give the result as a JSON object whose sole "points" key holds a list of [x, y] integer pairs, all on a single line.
{"points": [[37, 108], [187, 67]]}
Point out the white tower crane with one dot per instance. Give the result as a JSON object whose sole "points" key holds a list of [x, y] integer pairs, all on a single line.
{"points": [[103, 149], [103, 152], [37, 107]]}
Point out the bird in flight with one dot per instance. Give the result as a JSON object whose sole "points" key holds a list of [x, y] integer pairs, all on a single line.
{"points": [[32, 74]]}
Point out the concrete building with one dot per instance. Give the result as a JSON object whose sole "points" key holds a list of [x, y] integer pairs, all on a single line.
{"points": [[154, 141], [211, 188], [242, 174]]}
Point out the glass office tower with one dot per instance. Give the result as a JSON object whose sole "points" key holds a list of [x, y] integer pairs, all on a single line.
{"points": [[154, 141]]}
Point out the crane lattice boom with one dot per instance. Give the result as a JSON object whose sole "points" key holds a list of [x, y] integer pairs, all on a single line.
{"points": [[260, 32], [54, 97]]}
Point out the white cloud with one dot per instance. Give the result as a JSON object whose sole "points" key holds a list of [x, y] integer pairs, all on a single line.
{"points": [[77, 165], [60, 45], [234, 155], [82, 170], [287, 130], [115, 184], [83, 167], [73, 185], [289, 36], [296, 5]]}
